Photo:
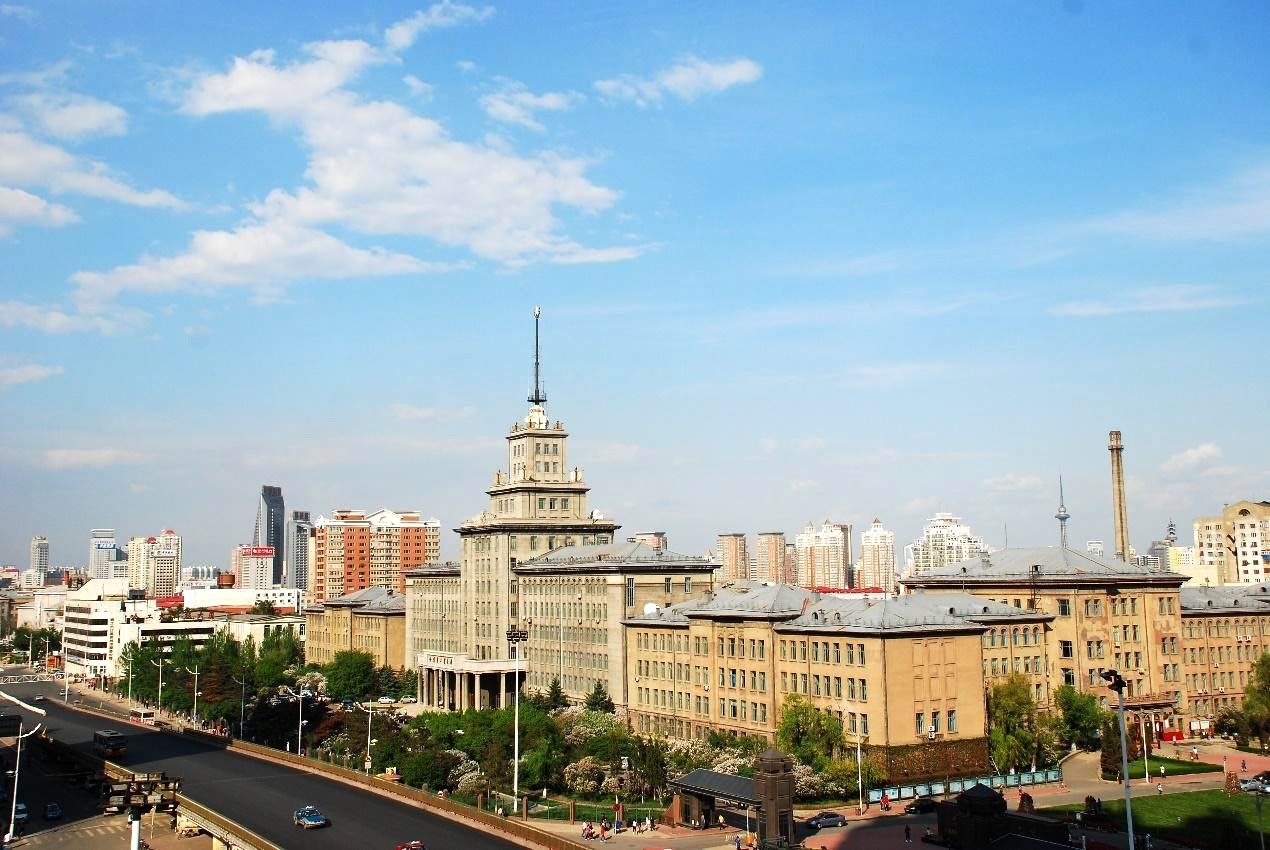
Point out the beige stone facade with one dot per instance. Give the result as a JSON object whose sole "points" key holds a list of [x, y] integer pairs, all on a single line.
{"points": [[1235, 545], [371, 621], [1224, 632]]}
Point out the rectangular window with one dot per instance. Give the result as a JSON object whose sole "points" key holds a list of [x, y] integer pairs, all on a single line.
{"points": [[815, 651], [837, 687], [762, 649], [731, 647], [1064, 607], [782, 650], [952, 720], [1065, 649], [851, 653], [687, 581], [564, 504], [860, 652], [837, 653], [919, 723], [630, 592], [864, 689], [542, 504], [934, 720], [864, 724]]}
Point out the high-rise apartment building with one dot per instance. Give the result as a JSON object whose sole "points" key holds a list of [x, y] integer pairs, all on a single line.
{"points": [[271, 519], [40, 554], [252, 567], [354, 550], [1235, 544], [769, 557], [299, 545], [945, 540], [154, 563], [820, 556], [734, 555], [103, 553], [877, 558], [655, 539]]}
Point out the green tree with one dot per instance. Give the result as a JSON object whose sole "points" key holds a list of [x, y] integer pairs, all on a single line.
{"points": [[555, 695], [648, 766], [263, 606], [350, 675], [1082, 718], [599, 699], [814, 737], [1012, 740], [1256, 707]]}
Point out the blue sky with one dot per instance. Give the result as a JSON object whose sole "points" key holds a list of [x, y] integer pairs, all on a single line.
{"points": [[795, 261]]}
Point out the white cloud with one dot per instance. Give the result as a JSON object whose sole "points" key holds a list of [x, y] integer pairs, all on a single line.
{"points": [[466, 66], [923, 505], [1236, 209], [55, 319], [515, 104], [417, 87], [73, 116], [25, 161], [687, 80], [14, 10], [251, 256], [1158, 299], [19, 207], [1012, 483], [88, 458], [26, 374], [1189, 459], [414, 413], [404, 33]]}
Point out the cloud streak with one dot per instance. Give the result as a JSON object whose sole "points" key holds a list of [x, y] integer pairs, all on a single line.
{"points": [[1192, 458], [88, 458], [687, 80], [403, 34], [1157, 299], [27, 373]]}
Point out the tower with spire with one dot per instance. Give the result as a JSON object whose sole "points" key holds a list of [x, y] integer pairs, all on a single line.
{"points": [[1062, 516]]}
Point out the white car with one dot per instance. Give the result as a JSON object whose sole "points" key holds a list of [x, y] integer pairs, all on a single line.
{"points": [[408, 700], [386, 700]]}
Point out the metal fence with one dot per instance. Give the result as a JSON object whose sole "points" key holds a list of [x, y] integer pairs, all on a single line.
{"points": [[956, 786]]}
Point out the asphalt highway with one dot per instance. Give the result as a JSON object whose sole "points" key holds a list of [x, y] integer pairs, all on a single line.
{"points": [[259, 795]]}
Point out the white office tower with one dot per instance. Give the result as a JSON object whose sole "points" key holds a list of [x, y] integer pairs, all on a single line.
{"points": [[32, 579], [295, 562], [40, 555], [820, 556], [945, 540], [154, 563], [877, 558], [253, 565], [1095, 547], [102, 553]]}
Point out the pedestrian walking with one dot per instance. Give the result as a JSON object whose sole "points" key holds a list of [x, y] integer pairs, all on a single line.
{"points": [[1243, 765], [1159, 789], [908, 834], [1161, 771]]}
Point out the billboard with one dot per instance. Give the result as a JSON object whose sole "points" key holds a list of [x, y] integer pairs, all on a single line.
{"points": [[256, 551], [104, 544]]}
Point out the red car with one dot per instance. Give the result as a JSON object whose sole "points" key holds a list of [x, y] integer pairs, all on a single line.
{"points": [[410, 845]]}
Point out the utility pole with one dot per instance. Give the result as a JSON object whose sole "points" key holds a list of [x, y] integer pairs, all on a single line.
{"points": [[1116, 683]]}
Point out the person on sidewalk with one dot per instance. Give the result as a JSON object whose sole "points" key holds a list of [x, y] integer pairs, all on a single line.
{"points": [[908, 834], [1159, 789]]}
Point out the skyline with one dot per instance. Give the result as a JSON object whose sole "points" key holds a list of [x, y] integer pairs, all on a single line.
{"points": [[796, 265]]}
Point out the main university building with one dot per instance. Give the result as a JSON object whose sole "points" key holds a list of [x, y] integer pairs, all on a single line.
{"points": [[686, 655]]}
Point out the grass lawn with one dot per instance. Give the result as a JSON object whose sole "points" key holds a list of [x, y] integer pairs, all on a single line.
{"points": [[1172, 767], [1209, 819]]}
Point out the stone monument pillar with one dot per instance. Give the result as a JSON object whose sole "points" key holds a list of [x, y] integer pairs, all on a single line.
{"points": [[774, 788]]}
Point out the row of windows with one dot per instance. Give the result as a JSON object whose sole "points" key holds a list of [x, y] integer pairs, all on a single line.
{"points": [[1021, 637], [1004, 666], [820, 651], [734, 678], [921, 727], [816, 685]]}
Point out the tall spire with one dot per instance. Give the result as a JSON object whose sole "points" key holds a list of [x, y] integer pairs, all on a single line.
{"points": [[538, 396], [1062, 516]]}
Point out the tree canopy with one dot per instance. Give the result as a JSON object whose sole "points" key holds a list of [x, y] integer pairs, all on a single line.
{"points": [[1012, 740], [811, 735]]}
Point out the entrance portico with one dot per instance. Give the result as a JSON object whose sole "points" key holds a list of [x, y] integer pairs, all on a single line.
{"points": [[456, 682]]}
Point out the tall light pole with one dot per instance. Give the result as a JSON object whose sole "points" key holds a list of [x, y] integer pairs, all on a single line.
{"points": [[1117, 684], [859, 772], [242, 704], [516, 636], [159, 664], [194, 672], [370, 716], [299, 729], [17, 759], [1146, 764]]}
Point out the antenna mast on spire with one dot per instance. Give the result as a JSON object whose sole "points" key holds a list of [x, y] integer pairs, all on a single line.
{"points": [[538, 396], [1062, 516]]}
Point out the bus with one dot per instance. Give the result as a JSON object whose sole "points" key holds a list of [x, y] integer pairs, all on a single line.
{"points": [[109, 744], [142, 715]]}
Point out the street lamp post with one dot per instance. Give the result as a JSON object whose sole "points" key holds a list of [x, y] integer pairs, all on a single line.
{"points": [[1146, 764], [1116, 683], [17, 768], [370, 717], [195, 673], [859, 773], [516, 636], [299, 729], [242, 704], [159, 664]]}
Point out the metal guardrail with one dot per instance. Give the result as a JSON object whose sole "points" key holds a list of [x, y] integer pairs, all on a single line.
{"points": [[231, 834], [25, 678]]}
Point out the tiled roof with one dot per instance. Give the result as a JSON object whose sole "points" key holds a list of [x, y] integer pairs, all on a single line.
{"points": [[1239, 598], [922, 613], [613, 556], [1040, 563]]}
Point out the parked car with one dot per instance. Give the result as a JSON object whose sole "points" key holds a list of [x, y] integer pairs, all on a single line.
{"points": [[386, 700], [52, 811], [1253, 784], [408, 700], [825, 819], [309, 818], [19, 813], [920, 806]]}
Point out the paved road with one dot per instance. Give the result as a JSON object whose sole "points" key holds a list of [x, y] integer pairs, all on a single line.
{"points": [[259, 795]]}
